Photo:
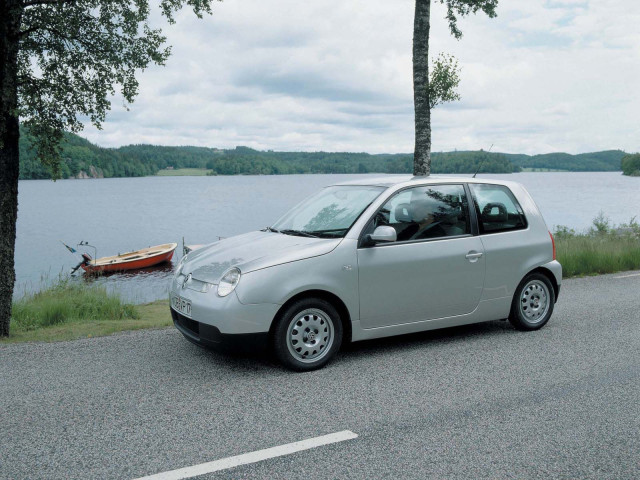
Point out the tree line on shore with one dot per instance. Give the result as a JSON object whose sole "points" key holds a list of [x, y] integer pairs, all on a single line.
{"points": [[82, 158], [631, 165]]}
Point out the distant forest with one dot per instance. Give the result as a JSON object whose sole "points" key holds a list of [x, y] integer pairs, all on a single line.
{"points": [[84, 159]]}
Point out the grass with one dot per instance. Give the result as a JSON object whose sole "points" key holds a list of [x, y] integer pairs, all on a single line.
{"points": [[184, 172], [597, 254], [604, 248], [69, 311]]}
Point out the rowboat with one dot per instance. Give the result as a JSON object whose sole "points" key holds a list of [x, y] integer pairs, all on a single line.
{"points": [[147, 257]]}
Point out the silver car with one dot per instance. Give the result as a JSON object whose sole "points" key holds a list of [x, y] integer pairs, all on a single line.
{"points": [[372, 258]]}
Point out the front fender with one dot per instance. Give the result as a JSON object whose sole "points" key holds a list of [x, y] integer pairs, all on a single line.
{"points": [[335, 272]]}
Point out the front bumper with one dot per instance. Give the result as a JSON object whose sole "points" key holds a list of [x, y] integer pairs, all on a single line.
{"points": [[210, 336], [222, 323]]}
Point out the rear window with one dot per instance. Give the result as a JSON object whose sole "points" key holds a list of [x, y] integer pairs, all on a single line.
{"points": [[497, 208]]}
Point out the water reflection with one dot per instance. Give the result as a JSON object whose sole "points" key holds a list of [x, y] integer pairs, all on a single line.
{"points": [[139, 286]]}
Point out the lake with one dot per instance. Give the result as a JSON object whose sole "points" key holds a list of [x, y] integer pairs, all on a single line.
{"points": [[123, 214]]}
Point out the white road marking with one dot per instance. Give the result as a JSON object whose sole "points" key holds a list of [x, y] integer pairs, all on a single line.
{"points": [[630, 275], [252, 457]]}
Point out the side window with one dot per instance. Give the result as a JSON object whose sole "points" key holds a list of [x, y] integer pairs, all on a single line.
{"points": [[428, 212], [497, 208]]}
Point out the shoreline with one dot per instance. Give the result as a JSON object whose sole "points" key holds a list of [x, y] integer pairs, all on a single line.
{"points": [[155, 316], [178, 174]]}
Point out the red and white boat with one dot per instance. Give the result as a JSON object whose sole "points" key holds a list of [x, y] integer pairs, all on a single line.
{"points": [[147, 257]]}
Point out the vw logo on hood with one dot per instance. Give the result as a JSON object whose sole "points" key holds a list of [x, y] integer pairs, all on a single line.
{"points": [[186, 279]]}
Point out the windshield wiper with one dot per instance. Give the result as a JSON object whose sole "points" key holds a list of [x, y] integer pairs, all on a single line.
{"points": [[331, 233], [301, 233], [271, 229]]}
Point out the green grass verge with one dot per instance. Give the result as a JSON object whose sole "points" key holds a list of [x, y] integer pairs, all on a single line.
{"points": [[184, 172], [69, 311], [603, 248], [597, 254]]}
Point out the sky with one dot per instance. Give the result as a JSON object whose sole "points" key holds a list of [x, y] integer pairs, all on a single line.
{"points": [[335, 75]]}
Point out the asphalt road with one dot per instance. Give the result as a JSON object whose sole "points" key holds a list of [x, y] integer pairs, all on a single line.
{"points": [[482, 401]]}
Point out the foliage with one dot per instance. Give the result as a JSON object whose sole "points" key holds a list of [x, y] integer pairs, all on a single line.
{"points": [[444, 80], [563, 232], [633, 226], [598, 254], [151, 315], [603, 248], [67, 301], [79, 155], [465, 7], [601, 224], [74, 55], [631, 165], [606, 161]]}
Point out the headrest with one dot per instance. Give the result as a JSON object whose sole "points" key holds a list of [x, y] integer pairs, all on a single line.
{"points": [[403, 212], [495, 213], [420, 208]]}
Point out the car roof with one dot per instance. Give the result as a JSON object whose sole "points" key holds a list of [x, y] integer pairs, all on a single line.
{"points": [[408, 180]]}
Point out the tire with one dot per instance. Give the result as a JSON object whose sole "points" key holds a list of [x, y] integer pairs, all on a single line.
{"points": [[533, 303], [307, 334]]}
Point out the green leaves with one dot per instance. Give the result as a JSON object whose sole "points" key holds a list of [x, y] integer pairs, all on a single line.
{"points": [[631, 165], [75, 54], [463, 8], [444, 80]]}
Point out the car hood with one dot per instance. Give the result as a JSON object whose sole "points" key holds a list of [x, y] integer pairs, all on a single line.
{"points": [[252, 251]]}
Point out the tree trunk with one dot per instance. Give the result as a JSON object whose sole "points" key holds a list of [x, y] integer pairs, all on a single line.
{"points": [[422, 152], [9, 153]]}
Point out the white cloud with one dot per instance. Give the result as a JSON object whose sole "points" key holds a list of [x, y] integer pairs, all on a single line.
{"points": [[336, 75]]}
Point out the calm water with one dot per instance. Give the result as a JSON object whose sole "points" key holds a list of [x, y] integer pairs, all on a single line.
{"points": [[124, 214]]}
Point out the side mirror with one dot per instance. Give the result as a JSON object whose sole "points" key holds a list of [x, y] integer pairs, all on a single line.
{"points": [[382, 234]]}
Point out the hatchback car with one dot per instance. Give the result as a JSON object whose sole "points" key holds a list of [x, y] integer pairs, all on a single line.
{"points": [[372, 258]]}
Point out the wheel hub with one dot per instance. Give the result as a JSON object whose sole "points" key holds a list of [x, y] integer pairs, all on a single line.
{"points": [[310, 335], [534, 301]]}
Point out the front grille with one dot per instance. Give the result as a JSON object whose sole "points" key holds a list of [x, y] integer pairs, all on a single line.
{"points": [[186, 323]]}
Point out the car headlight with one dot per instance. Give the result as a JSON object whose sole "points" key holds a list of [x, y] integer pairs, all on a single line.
{"points": [[229, 282]]}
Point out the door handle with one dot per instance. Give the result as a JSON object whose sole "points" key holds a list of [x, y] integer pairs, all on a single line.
{"points": [[473, 256]]}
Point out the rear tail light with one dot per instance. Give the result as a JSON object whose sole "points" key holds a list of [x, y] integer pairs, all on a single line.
{"points": [[553, 243]]}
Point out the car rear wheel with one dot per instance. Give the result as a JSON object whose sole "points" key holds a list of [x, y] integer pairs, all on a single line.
{"points": [[307, 334], [533, 303]]}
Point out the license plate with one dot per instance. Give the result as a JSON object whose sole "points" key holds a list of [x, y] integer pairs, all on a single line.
{"points": [[181, 305]]}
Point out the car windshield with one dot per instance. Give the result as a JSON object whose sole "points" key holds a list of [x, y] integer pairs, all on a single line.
{"points": [[330, 213]]}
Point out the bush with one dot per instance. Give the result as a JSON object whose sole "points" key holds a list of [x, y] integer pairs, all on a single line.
{"points": [[562, 231], [69, 301], [601, 224], [631, 165]]}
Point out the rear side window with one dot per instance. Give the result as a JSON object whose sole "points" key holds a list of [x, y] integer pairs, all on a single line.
{"points": [[497, 208]]}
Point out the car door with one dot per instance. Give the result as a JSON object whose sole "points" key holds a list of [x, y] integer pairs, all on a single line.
{"points": [[435, 269]]}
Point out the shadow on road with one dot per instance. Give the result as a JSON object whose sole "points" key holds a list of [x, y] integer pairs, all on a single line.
{"points": [[417, 340], [260, 362]]}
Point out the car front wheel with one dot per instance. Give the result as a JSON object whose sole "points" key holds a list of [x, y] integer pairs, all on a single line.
{"points": [[533, 303], [307, 334]]}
